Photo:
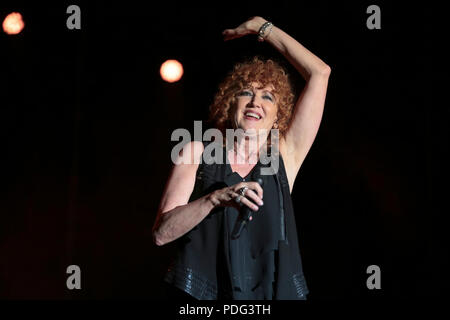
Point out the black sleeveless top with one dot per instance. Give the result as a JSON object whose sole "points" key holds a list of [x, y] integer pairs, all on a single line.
{"points": [[264, 263]]}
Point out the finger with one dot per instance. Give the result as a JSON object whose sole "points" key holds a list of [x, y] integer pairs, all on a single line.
{"points": [[249, 204], [256, 187], [233, 195], [228, 32], [231, 200], [254, 197], [240, 185], [238, 32], [228, 37], [251, 185]]}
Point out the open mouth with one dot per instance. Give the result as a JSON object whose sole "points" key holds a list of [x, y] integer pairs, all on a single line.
{"points": [[254, 116]]}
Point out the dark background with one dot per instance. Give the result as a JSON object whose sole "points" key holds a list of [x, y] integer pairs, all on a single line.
{"points": [[86, 124]]}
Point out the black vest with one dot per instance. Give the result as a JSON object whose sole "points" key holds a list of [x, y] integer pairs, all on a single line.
{"points": [[202, 266]]}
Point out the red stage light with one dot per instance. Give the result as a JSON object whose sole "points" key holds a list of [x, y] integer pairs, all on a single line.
{"points": [[13, 23], [171, 71]]}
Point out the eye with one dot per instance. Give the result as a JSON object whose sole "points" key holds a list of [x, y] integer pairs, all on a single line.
{"points": [[245, 93], [268, 97]]}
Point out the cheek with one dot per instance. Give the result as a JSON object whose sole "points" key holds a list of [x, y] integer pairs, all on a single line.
{"points": [[238, 107], [235, 107], [272, 114]]}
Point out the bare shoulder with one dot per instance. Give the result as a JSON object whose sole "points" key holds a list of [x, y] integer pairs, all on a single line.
{"points": [[181, 181], [191, 153]]}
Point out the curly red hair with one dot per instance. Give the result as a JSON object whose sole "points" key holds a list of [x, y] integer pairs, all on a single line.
{"points": [[263, 71]]}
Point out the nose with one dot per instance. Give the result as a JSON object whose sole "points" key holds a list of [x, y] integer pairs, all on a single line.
{"points": [[255, 101]]}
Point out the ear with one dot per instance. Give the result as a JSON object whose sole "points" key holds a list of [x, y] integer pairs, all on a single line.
{"points": [[275, 124]]}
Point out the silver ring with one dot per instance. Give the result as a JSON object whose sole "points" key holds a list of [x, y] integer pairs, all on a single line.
{"points": [[238, 199], [243, 190]]}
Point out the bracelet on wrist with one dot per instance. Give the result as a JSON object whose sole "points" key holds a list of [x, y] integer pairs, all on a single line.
{"points": [[262, 35]]}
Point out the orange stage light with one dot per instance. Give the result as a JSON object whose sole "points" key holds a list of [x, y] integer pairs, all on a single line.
{"points": [[13, 23], [171, 71]]}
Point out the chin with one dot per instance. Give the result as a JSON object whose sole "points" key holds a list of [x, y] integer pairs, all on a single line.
{"points": [[251, 129], [248, 129]]}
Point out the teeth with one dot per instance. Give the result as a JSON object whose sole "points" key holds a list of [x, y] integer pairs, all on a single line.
{"points": [[254, 115]]}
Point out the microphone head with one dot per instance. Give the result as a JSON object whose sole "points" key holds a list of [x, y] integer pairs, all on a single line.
{"points": [[256, 176], [260, 181]]}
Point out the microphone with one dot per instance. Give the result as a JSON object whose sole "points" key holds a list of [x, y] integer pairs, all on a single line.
{"points": [[245, 212]]}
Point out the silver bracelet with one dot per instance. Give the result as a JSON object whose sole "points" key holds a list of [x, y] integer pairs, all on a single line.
{"points": [[262, 30]]}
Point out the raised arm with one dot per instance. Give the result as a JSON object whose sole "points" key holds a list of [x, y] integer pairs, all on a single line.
{"points": [[308, 109]]}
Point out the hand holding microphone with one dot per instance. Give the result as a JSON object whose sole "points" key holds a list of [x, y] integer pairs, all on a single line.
{"points": [[244, 196], [245, 214], [231, 196]]}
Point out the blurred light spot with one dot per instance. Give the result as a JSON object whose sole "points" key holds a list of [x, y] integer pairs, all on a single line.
{"points": [[171, 71], [13, 23]]}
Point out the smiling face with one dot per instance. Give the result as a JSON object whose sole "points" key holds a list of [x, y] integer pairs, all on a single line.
{"points": [[256, 108], [268, 92]]}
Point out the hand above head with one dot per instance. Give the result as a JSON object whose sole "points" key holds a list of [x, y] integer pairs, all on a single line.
{"points": [[251, 26]]}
